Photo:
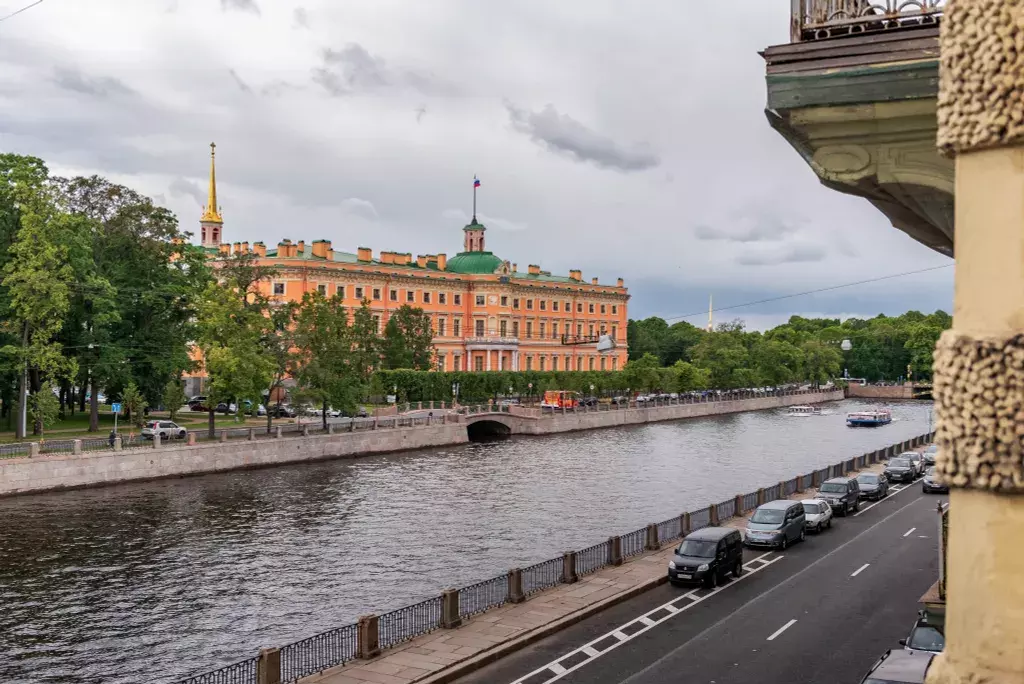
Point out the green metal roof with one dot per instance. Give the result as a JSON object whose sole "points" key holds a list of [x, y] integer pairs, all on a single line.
{"points": [[473, 262], [473, 225], [543, 277]]}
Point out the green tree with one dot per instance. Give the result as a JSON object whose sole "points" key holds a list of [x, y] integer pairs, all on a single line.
{"points": [[43, 407], [173, 397], [134, 404], [643, 374], [408, 339], [366, 343], [821, 361]]}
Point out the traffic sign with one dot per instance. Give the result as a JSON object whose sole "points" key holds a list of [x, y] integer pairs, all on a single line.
{"points": [[115, 408]]}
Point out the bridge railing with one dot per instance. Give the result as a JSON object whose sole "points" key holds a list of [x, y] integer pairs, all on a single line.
{"points": [[822, 19], [372, 633]]}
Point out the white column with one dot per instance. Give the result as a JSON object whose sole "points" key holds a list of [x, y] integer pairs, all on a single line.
{"points": [[488, 352]]}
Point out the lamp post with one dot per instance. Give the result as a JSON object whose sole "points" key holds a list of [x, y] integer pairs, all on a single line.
{"points": [[846, 346]]}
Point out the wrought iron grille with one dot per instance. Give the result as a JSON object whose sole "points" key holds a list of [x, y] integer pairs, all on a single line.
{"points": [[591, 559], [749, 501], [726, 509], [790, 487], [13, 450], [476, 598], [772, 493], [699, 519], [542, 576], [633, 543], [807, 481], [57, 446], [670, 529], [95, 443], [243, 672], [823, 475], [409, 622], [317, 653], [821, 19]]}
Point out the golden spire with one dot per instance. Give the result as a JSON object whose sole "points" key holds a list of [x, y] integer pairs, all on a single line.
{"points": [[711, 325], [211, 212]]}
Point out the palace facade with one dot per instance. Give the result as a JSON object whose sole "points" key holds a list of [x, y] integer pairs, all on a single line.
{"points": [[487, 314]]}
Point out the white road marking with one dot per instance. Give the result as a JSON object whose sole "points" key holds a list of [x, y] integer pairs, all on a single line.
{"points": [[860, 570], [781, 629], [893, 491], [673, 608], [909, 532]]}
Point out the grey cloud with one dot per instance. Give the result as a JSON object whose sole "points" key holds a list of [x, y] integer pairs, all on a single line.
{"points": [[764, 230], [300, 17], [790, 255], [242, 85], [360, 207], [353, 69], [502, 224], [421, 111], [563, 134], [70, 78], [181, 187], [240, 5]]}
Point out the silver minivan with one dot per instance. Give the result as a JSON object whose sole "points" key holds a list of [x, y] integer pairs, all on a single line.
{"points": [[776, 524]]}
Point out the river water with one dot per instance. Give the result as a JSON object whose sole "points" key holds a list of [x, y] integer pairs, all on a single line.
{"points": [[153, 581]]}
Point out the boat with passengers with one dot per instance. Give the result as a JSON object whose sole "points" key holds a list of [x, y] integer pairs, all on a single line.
{"points": [[801, 411], [873, 418]]}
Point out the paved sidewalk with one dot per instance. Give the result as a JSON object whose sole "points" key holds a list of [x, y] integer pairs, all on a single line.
{"points": [[446, 654]]}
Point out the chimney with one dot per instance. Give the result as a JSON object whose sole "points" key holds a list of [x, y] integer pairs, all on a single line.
{"points": [[534, 269], [259, 249], [285, 248], [442, 262], [236, 247], [620, 283], [224, 249], [421, 260], [387, 257], [364, 254], [322, 248], [300, 249], [403, 259], [575, 274], [515, 268], [593, 281], [245, 248]]}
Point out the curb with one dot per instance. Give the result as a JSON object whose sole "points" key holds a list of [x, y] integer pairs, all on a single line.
{"points": [[476, 662]]}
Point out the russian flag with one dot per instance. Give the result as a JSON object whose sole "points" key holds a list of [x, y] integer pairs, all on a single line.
{"points": [[476, 182]]}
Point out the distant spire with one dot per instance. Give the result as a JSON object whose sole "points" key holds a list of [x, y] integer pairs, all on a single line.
{"points": [[211, 212], [711, 325]]}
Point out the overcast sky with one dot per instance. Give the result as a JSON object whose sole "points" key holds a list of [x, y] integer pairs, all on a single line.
{"points": [[624, 139]]}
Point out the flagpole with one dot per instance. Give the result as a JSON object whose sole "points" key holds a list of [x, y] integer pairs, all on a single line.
{"points": [[474, 199]]}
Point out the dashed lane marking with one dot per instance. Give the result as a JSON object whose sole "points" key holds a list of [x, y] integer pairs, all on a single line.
{"points": [[860, 570], [781, 629], [627, 632], [909, 532], [893, 491]]}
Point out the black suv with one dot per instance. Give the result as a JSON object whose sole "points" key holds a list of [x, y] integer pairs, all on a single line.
{"points": [[900, 469], [841, 493], [706, 556]]}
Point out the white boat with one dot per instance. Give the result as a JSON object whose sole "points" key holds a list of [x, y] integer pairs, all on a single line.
{"points": [[801, 411], [873, 418]]}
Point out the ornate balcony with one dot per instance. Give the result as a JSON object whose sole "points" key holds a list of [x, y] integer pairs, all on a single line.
{"points": [[854, 93], [492, 342]]}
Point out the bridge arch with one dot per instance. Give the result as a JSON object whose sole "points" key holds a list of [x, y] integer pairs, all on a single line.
{"points": [[488, 428]]}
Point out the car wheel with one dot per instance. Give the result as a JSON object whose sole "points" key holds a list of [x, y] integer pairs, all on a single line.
{"points": [[817, 529], [829, 523], [784, 543], [856, 506], [803, 535], [712, 581], [738, 570]]}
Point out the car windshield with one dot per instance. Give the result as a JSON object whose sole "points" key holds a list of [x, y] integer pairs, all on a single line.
{"points": [[932, 449], [833, 488], [914, 457], [812, 509], [899, 462], [700, 548], [926, 638], [769, 516], [867, 478], [930, 472]]}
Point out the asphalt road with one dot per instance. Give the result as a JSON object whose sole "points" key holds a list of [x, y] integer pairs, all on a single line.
{"points": [[821, 611]]}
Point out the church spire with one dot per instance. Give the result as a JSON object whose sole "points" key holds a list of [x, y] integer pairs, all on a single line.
{"points": [[711, 325], [211, 212]]}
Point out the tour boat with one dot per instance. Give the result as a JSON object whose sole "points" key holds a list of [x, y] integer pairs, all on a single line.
{"points": [[800, 411], [869, 418]]}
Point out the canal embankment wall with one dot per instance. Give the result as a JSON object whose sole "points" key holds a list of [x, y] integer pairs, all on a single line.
{"points": [[83, 465], [855, 391]]}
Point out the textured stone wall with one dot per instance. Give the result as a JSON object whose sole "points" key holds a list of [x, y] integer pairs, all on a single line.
{"points": [[880, 392]]}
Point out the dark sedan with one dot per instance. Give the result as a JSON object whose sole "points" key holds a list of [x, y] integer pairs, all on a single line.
{"points": [[929, 455], [933, 484], [873, 486], [900, 470]]}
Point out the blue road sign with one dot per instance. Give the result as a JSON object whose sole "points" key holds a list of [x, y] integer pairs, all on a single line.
{"points": [[116, 408]]}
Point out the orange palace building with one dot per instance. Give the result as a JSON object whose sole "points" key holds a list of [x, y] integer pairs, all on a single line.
{"points": [[487, 314]]}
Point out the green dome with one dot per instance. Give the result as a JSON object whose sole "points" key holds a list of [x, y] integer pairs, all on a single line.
{"points": [[473, 262]]}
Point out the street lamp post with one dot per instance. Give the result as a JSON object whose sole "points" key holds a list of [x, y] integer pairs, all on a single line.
{"points": [[846, 346]]}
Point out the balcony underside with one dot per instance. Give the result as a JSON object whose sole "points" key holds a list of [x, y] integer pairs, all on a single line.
{"points": [[861, 112]]}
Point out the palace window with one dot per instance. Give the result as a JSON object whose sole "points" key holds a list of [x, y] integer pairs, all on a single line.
{"points": [[591, 308], [602, 363], [554, 330], [590, 363], [542, 330], [541, 361], [579, 330], [458, 299], [441, 327], [602, 308], [543, 305], [529, 305], [590, 331], [478, 363], [503, 328], [376, 294], [615, 363], [615, 309], [529, 329], [359, 293], [515, 303], [479, 300], [529, 362], [568, 307], [615, 333], [504, 300], [440, 362], [426, 297], [515, 328], [376, 324], [457, 327], [393, 295], [442, 298], [479, 328], [579, 363], [554, 363], [554, 305], [579, 307], [278, 288], [457, 362], [410, 296], [322, 289]]}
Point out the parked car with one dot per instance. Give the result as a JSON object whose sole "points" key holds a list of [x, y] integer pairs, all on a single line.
{"points": [[282, 411], [873, 486], [924, 637], [909, 667], [818, 514], [841, 493], [198, 403], [899, 469], [917, 459], [929, 454], [225, 408], [933, 484], [165, 428], [706, 556], [776, 524]]}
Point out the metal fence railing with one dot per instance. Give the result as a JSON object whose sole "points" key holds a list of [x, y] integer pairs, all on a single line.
{"points": [[318, 653], [409, 622], [823, 19], [341, 645]]}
